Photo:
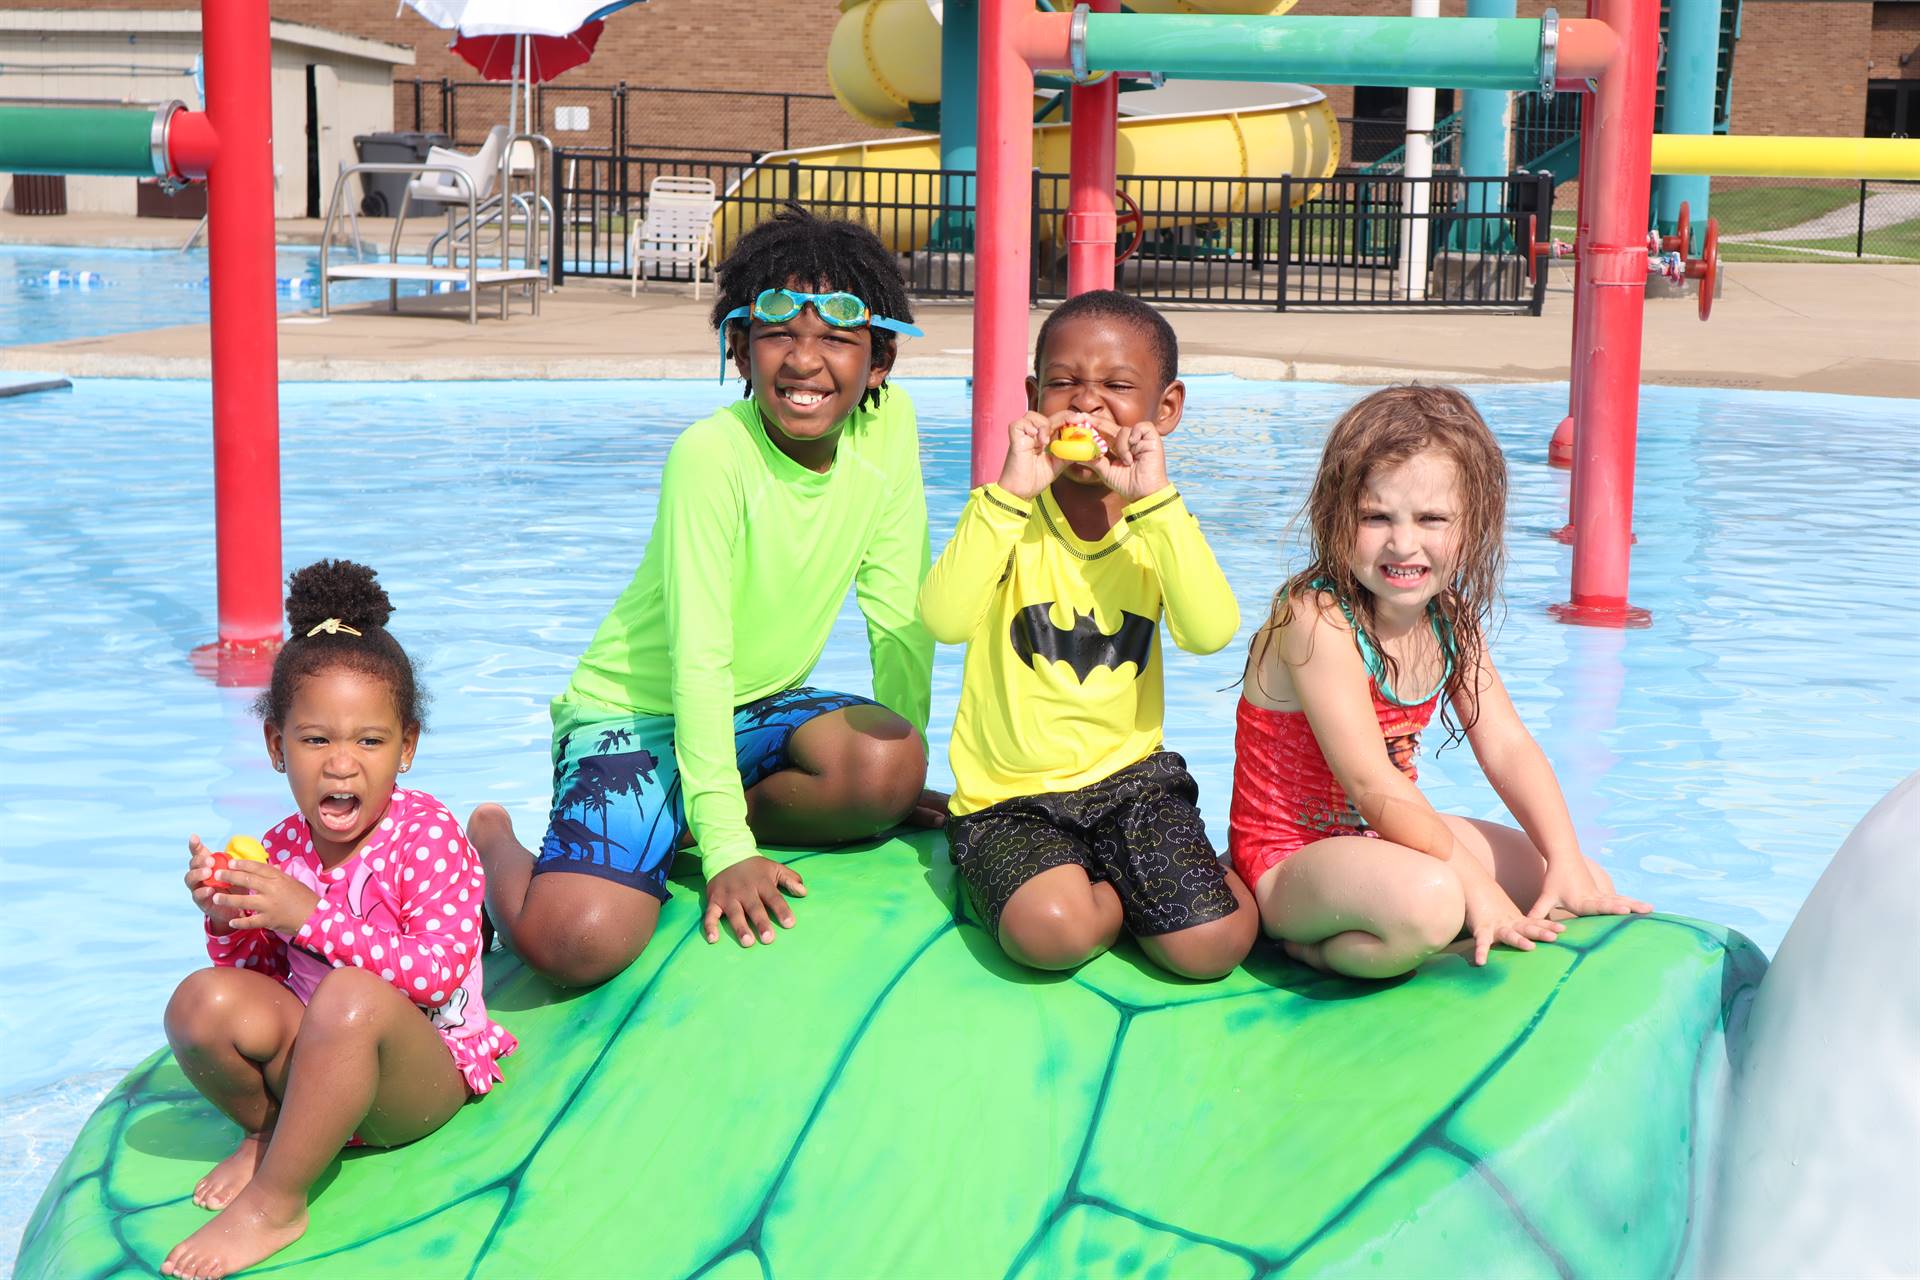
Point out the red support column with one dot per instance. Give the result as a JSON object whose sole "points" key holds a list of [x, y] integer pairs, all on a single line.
{"points": [[246, 416], [1560, 448], [1611, 297], [1003, 238], [1092, 140]]}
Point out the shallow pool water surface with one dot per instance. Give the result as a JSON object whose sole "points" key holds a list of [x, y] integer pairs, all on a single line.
{"points": [[1713, 762], [49, 292]]}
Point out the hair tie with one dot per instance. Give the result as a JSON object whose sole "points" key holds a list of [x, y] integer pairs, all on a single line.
{"points": [[332, 626]]}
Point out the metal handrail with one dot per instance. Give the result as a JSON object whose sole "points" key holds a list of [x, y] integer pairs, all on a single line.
{"points": [[393, 254], [494, 206]]}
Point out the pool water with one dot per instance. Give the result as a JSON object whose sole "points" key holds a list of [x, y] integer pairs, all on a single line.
{"points": [[50, 293], [1712, 762]]}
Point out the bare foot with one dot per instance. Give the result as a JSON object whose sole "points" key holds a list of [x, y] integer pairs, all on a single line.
{"points": [[251, 1229], [1311, 954], [228, 1178], [488, 825]]}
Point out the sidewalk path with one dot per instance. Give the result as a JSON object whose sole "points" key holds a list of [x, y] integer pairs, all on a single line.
{"points": [[1845, 328], [1884, 209]]}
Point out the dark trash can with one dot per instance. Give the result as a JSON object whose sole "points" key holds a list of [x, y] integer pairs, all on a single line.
{"points": [[39, 193], [384, 191]]}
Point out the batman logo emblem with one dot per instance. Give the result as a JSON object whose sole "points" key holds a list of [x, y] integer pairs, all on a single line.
{"points": [[1084, 646]]}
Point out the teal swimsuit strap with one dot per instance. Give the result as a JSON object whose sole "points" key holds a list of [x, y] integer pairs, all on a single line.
{"points": [[1370, 655]]}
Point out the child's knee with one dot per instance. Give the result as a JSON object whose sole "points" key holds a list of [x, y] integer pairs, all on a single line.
{"points": [[350, 1000], [881, 775], [1206, 951], [1046, 929], [1432, 911], [201, 1008], [586, 948]]}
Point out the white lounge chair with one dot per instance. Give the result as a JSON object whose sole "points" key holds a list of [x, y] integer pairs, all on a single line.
{"points": [[677, 229]]}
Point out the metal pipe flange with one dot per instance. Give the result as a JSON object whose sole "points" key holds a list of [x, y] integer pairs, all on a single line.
{"points": [[1549, 50]]}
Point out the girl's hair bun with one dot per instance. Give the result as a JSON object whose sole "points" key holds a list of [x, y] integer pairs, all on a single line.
{"points": [[336, 589]]}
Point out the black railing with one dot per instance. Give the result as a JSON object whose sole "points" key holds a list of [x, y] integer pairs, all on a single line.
{"points": [[622, 119], [1352, 240], [924, 214], [1349, 240]]}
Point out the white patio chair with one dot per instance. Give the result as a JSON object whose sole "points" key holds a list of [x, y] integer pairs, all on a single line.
{"points": [[677, 229]]}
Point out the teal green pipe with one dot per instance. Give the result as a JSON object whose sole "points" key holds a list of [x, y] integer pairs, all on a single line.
{"points": [[113, 141], [1484, 152], [1693, 59], [959, 109], [1459, 53]]}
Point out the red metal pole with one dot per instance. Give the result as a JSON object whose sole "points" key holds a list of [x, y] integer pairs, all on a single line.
{"points": [[1611, 295], [1092, 140], [237, 46], [1560, 448], [1002, 243]]}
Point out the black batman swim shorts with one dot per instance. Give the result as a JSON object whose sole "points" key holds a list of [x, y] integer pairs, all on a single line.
{"points": [[1137, 830]]}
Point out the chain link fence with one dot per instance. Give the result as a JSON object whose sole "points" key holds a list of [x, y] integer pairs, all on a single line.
{"points": [[1800, 219], [1782, 220]]}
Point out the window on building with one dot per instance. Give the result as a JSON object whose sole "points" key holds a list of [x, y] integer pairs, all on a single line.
{"points": [[1893, 109]]}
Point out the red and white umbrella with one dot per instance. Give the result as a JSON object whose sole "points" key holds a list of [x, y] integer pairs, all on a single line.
{"points": [[536, 59], [527, 42]]}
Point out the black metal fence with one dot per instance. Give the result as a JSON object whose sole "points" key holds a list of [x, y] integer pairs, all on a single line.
{"points": [[624, 119], [1353, 240]]}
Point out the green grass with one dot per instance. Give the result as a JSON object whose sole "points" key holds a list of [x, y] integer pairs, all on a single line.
{"points": [[1745, 209], [1900, 240]]}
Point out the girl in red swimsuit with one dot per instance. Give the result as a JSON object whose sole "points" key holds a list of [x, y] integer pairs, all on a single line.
{"points": [[1352, 868]]}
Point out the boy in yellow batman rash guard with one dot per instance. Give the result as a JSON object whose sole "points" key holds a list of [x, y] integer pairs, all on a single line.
{"points": [[1068, 819]]}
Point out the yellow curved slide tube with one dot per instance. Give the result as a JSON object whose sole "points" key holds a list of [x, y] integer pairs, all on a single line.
{"points": [[1300, 138], [1725, 156], [884, 55]]}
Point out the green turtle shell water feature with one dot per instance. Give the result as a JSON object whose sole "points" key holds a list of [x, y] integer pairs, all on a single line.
{"points": [[882, 1094]]}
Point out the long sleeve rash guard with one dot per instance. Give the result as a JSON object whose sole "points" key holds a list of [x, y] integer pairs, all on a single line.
{"points": [[749, 561]]}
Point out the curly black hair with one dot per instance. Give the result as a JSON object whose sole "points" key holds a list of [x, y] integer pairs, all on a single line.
{"points": [[1111, 304], [819, 255], [350, 594]]}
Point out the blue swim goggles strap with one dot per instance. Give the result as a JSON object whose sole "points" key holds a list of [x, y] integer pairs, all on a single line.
{"points": [[839, 309]]}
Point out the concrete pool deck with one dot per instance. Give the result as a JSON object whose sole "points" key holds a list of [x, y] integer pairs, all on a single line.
{"points": [[1842, 328]]}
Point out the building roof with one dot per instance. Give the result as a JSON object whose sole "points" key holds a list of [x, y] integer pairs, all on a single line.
{"points": [[187, 22]]}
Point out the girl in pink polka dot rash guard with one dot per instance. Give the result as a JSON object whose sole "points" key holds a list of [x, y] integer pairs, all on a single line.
{"points": [[344, 1002]]}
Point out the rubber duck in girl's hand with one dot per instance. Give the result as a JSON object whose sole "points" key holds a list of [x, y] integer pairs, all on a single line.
{"points": [[241, 849]]}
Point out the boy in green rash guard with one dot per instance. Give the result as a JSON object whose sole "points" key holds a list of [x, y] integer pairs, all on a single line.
{"points": [[688, 716]]}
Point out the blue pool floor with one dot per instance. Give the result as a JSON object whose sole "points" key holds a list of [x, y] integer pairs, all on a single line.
{"points": [[1712, 762]]}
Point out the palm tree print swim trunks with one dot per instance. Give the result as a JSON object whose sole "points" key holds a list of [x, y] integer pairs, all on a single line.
{"points": [[617, 810]]}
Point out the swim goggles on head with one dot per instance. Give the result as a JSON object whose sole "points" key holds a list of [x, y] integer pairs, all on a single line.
{"points": [[841, 310]]}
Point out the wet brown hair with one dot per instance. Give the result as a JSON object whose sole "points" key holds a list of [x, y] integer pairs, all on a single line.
{"points": [[1383, 430]]}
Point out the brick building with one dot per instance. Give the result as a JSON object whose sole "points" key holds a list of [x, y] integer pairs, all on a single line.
{"points": [[1801, 66]]}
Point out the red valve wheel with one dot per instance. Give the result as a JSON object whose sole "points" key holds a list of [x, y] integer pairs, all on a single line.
{"points": [[1535, 249], [1681, 241], [1706, 268], [1130, 217]]}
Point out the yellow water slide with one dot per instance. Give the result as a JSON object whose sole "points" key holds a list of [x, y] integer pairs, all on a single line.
{"points": [[885, 56]]}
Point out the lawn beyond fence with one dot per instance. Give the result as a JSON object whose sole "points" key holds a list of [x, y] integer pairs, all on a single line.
{"points": [[1808, 220]]}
